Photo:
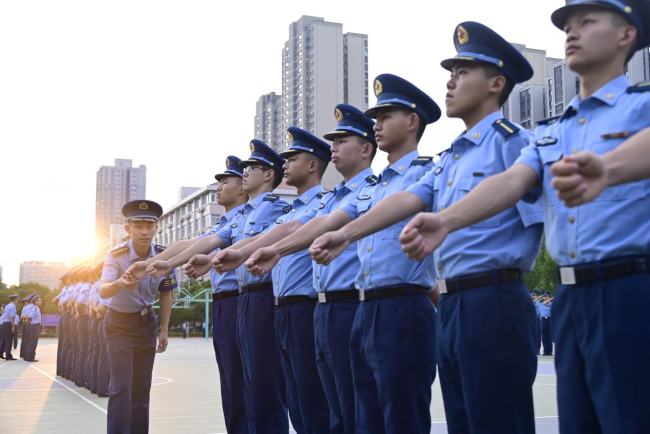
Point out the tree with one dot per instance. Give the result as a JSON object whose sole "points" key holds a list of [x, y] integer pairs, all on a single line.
{"points": [[544, 276], [26, 289]]}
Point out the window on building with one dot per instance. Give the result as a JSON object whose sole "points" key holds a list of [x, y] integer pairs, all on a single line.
{"points": [[215, 219], [557, 78], [213, 197]]}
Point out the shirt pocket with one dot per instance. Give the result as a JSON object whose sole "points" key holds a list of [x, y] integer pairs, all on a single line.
{"points": [[548, 156], [154, 284], [629, 191], [252, 230], [467, 184], [363, 206], [436, 193]]}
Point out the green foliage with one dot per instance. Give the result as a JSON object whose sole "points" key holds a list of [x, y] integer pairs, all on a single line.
{"points": [[26, 289], [544, 275]]}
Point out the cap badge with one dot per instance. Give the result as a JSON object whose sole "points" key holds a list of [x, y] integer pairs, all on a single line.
{"points": [[463, 36], [143, 205], [227, 162], [339, 115], [290, 136], [252, 147], [378, 88]]}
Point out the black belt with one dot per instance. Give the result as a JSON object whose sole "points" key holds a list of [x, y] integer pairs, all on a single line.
{"points": [[144, 311], [390, 291], [604, 270], [292, 299], [546, 317], [479, 280], [256, 287], [224, 294], [329, 297]]}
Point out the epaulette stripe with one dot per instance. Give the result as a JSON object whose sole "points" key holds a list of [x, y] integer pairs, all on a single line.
{"points": [[119, 251], [640, 87]]}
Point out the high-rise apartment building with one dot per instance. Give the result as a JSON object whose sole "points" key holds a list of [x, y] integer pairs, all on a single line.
{"points": [[44, 273], [117, 185]]}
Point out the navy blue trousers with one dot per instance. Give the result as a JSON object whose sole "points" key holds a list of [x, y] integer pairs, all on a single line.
{"points": [[332, 329], [264, 386], [2, 340], [294, 328], [546, 336], [392, 350], [103, 367], [231, 375], [59, 349], [602, 335], [131, 345], [33, 334], [91, 361], [8, 340], [487, 362], [82, 351], [73, 348], [538, 335], [24, 342]]}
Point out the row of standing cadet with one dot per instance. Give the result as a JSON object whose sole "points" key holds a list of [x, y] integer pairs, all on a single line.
{"points": [[29, 321], [543, 306], [81, 355]]}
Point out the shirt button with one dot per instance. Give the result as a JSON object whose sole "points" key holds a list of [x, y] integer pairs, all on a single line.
{"points": [[251, 232], [575, 151], [572, 255], [384, 183], [277, 283], [338, 198], [439, 267], [293, 210], [317, 277], [369, 249], [457, 156], [582, 121], [448, 182], [367, 273], [279, 263], [442, 208], [572, 219]]}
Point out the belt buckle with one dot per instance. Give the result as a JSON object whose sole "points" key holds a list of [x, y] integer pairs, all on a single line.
{"points": [[144, 311], [277, 301], [568, 275], [362, 295], [442, 286], [322, 297]]}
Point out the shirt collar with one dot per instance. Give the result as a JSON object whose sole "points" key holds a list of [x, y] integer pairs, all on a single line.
{"points": [[357, 180], [134, 256], [402, 164], [258, 200], [309, 195], [230, 214], [608, 94], [480, 130]]}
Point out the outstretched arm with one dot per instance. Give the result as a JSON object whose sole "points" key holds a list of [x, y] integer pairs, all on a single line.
{"points": [[581, 178], [422, 235], [160, 268]]}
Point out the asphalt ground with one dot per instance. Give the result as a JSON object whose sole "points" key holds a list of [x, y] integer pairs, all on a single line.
{"points": [[185, 396]]}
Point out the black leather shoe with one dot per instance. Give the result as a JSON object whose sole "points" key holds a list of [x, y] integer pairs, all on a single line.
{"points": [[32, 360], [103, 395]]}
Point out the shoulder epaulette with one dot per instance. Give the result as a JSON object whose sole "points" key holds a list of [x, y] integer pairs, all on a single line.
{"points": [[322, 194], [639, 87], [119, 251], [505, 127], [371, 180], [421, 161], [549, 121], [271, 198], [158, 248]]}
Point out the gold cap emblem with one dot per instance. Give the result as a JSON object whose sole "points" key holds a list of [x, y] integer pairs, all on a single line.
{"points": [[143, 205], [252, 147], [378, 88], [227, 162], [290, 136], [463, 36], [339, 115]]}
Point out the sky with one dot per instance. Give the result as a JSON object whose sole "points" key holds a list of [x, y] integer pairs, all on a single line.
{"points": [[173, 85]]}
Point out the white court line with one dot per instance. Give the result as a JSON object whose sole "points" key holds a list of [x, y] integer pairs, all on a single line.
{"points": [[70, 389]]}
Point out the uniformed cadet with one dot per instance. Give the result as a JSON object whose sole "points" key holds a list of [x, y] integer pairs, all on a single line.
{"points": [[24, 314], [9, 328], [16, 322], [225, 290], [544, 308], [295, 297], [392, 343], [600, 315], [34, 325], [352, 150], [534, 295], [130, 324], [81, 374], [264, 388]]}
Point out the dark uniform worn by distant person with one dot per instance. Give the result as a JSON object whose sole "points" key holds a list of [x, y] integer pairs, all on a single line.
{"points": [[130, 324]]}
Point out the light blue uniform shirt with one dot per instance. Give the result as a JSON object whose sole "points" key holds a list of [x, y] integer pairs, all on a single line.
{"points": [[293, 274], [35, 315], [84, 293], [226, 281], [117, 261], [342, 272], [544, 310], [94, 292], [616, 223], [257, 215], [512, 238], [10, 310], [380, 254]]}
